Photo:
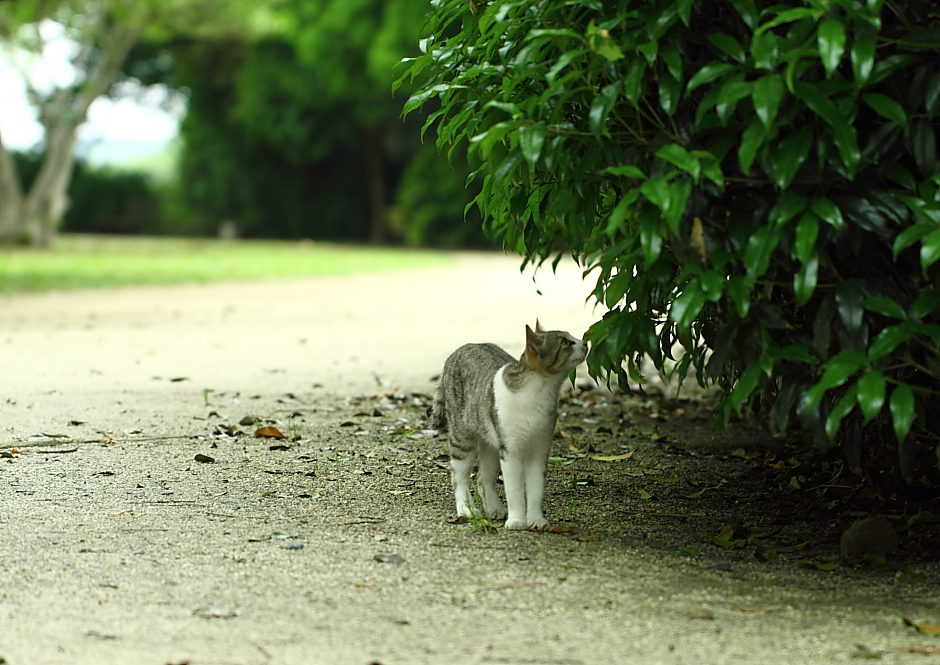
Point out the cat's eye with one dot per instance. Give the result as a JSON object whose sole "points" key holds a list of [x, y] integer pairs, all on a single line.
{"points": [[568, 342]]}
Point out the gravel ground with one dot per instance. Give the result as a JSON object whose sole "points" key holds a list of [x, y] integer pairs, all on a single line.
{"points": [[336, 544]]}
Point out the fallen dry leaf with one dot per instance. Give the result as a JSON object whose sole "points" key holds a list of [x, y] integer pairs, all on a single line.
{"points": [[205, 459], [388, 557], [925, 628], [612, 458], [564, 530], [269, 433]]}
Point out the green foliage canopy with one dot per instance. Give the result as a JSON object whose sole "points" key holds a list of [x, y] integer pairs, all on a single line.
{"points": [[755, 183]]}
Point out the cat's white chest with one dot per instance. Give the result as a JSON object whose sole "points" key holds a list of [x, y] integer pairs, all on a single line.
{"points": [[527, 414]]}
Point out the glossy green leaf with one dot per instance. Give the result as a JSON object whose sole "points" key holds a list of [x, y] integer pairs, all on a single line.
{"points": [[891, 338], [600, 107], [932, 96], [790, 154], [679, 156], [728, 45], [627, 170], [531, 139], [886, 307], [687, 305], [669, 92], [633, 83], [709, 73], [748, 12], [713, 284], [650, 51], [740, 293], [841, 409], [679, 193], [830, 36], [764, 51], [751, 140], [909, 236], [850, 303], [828, 212], [871, 394], [746, 384], [789, 206], [804, 281], [767, 94], [929, 250], [673, 63], [757, 253], [887, 107], [789, 16], [843, 133], [804, 237], [685, 10], [732, 91], [927, 302], [863, 58], [837, 371], [901, 406], [651, 240], [656, 190], [797, 352]]}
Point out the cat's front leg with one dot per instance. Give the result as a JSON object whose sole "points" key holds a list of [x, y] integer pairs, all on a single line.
{"points": [[535, 492], [514, 484]]}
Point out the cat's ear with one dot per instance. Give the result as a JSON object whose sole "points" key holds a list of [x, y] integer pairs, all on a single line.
{"points": [[538, 327], [532, 347]]}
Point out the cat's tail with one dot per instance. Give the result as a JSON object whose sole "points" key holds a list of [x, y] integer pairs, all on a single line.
{"points": [[435, 412]]}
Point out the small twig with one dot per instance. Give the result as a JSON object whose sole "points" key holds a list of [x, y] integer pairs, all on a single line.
{"points": [[366, 521], [56, 452], [33, 444]]}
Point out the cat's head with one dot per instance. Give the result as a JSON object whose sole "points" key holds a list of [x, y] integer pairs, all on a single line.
{"points": [[552, 351]]}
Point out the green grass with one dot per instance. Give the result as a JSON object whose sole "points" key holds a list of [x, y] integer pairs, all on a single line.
{"points": [[87, 261]]}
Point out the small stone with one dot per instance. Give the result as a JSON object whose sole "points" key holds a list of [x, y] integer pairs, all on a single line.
{"points": [[870, 535]]}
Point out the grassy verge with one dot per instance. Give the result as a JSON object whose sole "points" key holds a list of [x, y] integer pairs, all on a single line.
{"points": [[84, 261]]}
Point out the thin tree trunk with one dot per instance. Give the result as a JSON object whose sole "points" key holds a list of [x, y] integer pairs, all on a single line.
{"points": [[11, 196], [375, 182], [47, 199]]}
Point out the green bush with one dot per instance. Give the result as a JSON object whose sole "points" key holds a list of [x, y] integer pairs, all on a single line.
{"points": [[101, 200], [430, 204], [755, 183]]}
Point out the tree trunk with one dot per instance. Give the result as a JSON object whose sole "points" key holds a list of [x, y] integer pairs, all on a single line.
{"points": [[62, 113], [11, 196], [48, 199], [375, 182]]}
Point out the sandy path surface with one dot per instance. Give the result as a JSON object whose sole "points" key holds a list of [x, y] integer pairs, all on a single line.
{"points": [[119, 548], [93, 355]]}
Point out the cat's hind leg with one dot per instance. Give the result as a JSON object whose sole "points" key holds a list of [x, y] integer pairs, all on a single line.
{"points": [[486, 482], [461, 465]]}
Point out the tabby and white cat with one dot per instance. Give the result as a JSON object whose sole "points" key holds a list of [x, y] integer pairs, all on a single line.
{"points": [[503, 411]]}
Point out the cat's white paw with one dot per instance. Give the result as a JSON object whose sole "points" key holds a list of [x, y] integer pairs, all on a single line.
{"points": [[464, 510], [497, 513], [540, 524], [515, 525]]}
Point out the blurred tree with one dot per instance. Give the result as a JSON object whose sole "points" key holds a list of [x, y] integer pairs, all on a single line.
{"points": [[354, 45], [102, 33], [297, 134]]}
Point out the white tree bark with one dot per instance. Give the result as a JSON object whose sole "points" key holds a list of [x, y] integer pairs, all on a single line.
{"points": [[11, 196], [37, 215]]}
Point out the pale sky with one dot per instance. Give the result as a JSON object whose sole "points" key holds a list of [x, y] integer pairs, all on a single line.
{"points": [[137, 122]]}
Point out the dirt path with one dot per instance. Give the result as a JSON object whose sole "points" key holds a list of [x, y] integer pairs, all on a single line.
{"points": [[336, 546]]}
